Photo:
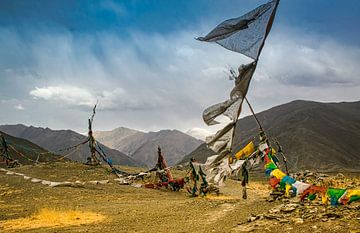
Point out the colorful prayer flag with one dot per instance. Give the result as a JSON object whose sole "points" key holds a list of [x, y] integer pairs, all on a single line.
{"points": [[246, 151]]}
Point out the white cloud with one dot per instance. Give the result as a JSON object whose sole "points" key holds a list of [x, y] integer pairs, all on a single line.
{"points": [[19, 107], [76, 96], [65, 94], [153, 81], [113, 6], [199, 133], [310, 60]]}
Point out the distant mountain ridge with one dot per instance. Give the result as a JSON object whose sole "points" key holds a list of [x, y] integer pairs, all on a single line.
{"points": [[114, 137], [314, 136], [54, 140], [143, 146]]}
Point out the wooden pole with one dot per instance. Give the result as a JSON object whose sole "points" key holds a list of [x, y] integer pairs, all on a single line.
{"points": [[254, 115], [233, 133], [94, 160], [283, 156]]}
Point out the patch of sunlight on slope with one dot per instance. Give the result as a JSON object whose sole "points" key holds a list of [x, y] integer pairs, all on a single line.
{"points": [[48, 218]]}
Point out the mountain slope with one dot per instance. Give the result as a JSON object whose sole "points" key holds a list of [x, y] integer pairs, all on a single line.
{"points": [[114, 137], [143, 146], [54, 140], [317, 136], [27, 152]]}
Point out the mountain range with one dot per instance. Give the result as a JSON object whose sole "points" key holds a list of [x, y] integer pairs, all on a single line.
{"points": [[142, 146], [56, 140], [315, 136]]}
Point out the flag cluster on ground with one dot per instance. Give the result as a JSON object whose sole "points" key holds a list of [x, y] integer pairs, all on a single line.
{"points": [[279, 180]]}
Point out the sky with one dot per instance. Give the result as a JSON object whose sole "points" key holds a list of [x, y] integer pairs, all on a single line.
{"points": [[140, 60]]}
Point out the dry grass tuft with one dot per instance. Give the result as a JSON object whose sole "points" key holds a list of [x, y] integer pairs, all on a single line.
{"points": [[48, 218]]}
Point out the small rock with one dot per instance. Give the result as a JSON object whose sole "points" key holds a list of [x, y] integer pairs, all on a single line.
{"points": [[284, 221], [307, 216], [271, 216], [252, 218], [298, 221], [289, 208], [332, 215], [274, 211]]}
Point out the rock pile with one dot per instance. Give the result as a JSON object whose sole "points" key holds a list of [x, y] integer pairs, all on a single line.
{"points": [[338, 181], [291, 211], [297, 212]]}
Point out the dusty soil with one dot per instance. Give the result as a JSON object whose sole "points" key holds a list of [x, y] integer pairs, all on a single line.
{"points": [[124, 208]]}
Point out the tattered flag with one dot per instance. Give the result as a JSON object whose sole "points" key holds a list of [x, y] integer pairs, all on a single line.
{"points": [[228, 108], [245, 34], [232, 107], [242, 82]]}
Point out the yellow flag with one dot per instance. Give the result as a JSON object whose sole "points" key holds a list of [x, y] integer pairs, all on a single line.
{"points": [[246, 151]]}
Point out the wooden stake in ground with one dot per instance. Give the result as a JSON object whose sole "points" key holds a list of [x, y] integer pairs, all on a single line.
{"points": [[93, 160], [5, 153]]}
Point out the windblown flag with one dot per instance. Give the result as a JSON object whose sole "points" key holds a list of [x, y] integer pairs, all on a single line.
{"points": [[231, 107], [242, 82], [218, 167], [221, 141], [245, 34]]}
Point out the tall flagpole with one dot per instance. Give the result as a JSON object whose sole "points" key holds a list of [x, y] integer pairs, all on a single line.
{"points": [[268, 28]]}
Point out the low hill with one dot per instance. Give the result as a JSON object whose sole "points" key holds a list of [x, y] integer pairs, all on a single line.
{"points": [[314, 136], [55, 140], [143, 146], [27, 152]]}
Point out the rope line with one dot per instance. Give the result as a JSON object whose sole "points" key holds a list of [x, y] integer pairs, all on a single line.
{"points": [[21, 154], [75, 146]]}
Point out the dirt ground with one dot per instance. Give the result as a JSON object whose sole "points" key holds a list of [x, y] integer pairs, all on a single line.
{"points": [[124, 208]]}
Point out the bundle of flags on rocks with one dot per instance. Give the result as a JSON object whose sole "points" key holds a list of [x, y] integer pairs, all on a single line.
{"points": [[279, 179]]}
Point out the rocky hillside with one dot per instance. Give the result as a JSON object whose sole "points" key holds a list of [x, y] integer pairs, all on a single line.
{"points": [[55, 140], [314, 136], [25, 151], [143, 146]]}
